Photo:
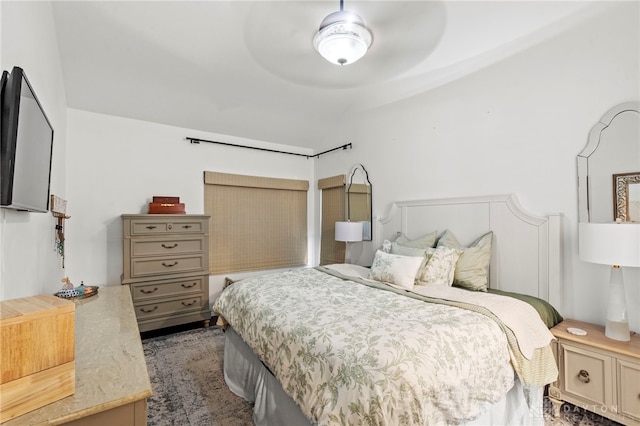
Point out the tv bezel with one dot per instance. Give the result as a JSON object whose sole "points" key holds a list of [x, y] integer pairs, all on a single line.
{"points": [[12, 84]]}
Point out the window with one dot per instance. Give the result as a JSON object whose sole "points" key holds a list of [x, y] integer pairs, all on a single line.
{"points": [[256, 222]]}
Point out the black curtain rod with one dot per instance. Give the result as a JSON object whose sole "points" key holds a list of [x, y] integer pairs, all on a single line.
{"points": [[197, 141]]}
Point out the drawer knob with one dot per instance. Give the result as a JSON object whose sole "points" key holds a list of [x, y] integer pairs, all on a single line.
{"points": [[193, 302], [189, 285], [147, 291], [169, 265], [170, 247], [186, 226], [151, 227], [583, 376], [146, 311]]}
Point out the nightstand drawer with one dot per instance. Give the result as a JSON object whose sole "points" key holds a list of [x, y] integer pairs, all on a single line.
{"points": [[587, 375], [629, 391], [144, 267], [171, 307], [164, 247], [141, 292]]}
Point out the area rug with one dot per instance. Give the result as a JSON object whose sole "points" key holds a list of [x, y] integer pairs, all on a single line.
{"points": [[188, 385]]}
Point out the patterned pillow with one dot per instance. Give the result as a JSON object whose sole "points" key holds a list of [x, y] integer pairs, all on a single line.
{"points": [[395, 269], [441, 267], [425, 241], [472, 270]]}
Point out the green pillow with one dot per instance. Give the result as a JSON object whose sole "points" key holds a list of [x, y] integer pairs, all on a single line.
{"points": [[426, 241], [472, 269]]}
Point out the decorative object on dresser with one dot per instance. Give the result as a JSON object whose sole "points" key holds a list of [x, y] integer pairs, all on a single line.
{"points": [[34, 374], [166, 205], [166, 265], [596, 373], [616, 244]]}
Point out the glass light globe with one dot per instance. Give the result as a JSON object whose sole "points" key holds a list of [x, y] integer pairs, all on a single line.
{"points": [[342, 38]]}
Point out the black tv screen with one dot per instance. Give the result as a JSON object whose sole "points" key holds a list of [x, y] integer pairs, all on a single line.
{"points": [[26, 146]]}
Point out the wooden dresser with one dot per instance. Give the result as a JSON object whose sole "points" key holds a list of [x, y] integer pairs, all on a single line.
{"points": [[597, 373], [166, 265], [111, 378]]}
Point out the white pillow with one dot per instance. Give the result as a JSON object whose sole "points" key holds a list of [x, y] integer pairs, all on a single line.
{"points": [[441, 267], [410, 251], [395, 269]]}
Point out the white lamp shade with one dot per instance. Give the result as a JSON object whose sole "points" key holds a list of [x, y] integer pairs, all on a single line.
{"points": [[610, 243], [348, 231]]}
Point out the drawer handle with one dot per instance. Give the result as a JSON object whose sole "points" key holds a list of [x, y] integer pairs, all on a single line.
{"points": [[189, 285], [146, 311], [583, 376], [169, 265], [170, 247], [189, 303], [186, 226], [145, 291], [151, 227]]}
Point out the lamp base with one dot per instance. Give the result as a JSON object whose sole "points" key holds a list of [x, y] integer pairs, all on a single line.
{"points": [[617, 330]]}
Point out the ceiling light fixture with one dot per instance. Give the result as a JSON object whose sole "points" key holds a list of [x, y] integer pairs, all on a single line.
{"points": [[342, 38]]}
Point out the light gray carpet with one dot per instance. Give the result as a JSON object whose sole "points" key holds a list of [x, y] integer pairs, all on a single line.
{"points": [[188, 385]]}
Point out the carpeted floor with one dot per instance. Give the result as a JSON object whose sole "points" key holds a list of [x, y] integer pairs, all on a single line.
{"points": [[188, 385]]}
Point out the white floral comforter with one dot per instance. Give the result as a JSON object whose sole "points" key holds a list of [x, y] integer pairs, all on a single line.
{"points": [[349, 354]]}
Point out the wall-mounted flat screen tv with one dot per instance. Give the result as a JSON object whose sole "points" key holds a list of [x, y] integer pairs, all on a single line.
{"points": [[26, 146]]}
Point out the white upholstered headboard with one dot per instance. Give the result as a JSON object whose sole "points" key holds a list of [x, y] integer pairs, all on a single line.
{"points": [[527, 249]]}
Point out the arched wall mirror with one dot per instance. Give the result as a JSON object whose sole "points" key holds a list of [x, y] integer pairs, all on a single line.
{"points": [[609, 167], [358, 197]]}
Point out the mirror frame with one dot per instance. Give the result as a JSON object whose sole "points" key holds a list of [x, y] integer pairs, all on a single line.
{"points": [[367, 228], [584, 201], [621, 184]]}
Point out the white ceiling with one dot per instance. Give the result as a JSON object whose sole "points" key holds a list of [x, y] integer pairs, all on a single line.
{"points": [[249, 69]]}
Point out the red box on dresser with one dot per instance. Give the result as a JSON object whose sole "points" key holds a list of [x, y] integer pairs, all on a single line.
{"points": [[166, 205]]}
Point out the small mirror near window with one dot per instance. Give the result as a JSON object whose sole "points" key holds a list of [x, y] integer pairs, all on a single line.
{"points": [[358, 200]]}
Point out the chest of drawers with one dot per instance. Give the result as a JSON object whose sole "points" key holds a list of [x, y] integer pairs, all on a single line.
{"points": [[597, 373], [166, 266]]}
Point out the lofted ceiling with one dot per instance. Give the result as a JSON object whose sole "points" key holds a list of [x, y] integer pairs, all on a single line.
{"points": [[249, 69]]}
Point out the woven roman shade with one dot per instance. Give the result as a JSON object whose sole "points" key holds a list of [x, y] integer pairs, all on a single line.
{"points": [[257, 223], [333, 208]]}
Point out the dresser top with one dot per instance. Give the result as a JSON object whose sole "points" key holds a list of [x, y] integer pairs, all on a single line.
{"points": [[595, 338], [111, 370]]}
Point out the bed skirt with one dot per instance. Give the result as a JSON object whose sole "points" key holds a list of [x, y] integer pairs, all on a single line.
{"points": [[248, 378]]}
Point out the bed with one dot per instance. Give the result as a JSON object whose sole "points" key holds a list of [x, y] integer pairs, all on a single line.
{"points": [[387, 345]]}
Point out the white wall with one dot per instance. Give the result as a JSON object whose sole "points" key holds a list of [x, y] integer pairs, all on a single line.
{"points": [[116, 165], [29, 263], [515, 126]]}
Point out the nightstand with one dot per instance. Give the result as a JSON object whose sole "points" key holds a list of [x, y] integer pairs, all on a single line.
{"points": [[597, 373]]}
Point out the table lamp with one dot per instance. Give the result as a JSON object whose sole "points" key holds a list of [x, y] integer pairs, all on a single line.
{"points": [[348, 232], [615, 244]]}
